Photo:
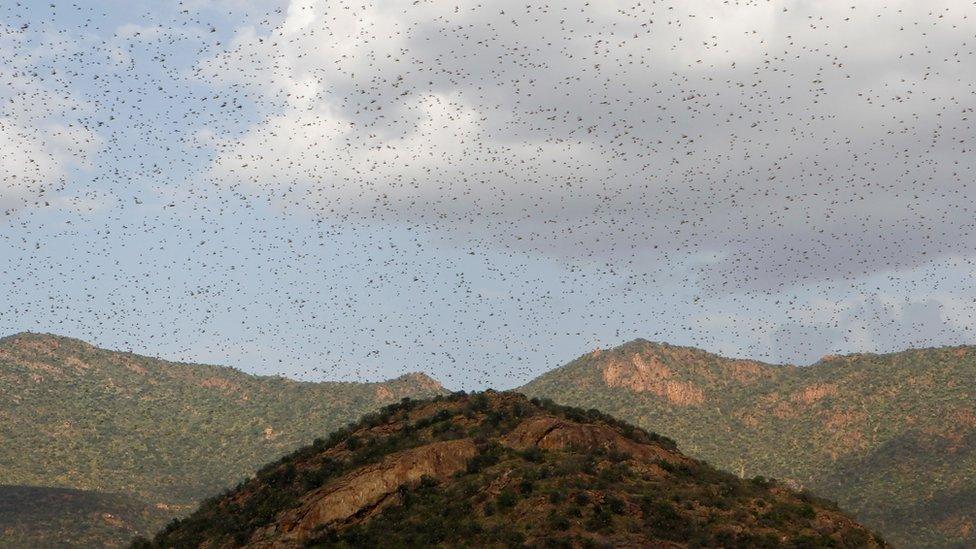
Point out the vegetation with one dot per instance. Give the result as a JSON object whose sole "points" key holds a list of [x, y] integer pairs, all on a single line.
{"points": [[513, 492], [890, 437], [164, 433], [56, 517]]}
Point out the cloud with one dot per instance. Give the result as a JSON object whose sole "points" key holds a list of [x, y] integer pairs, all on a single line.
{"points": [[38, 146], [29, 169], [868, 325], [807, 142]]}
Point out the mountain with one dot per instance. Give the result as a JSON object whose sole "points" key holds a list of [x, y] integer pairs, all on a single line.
{"points": [[890, 437], [499, 470], [164, 433], [32, 516]]}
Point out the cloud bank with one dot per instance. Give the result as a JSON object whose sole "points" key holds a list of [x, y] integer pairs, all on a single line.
{"points": [[788, 143], [484, 190]]}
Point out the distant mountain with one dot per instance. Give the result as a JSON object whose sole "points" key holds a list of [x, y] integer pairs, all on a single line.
{"points": [[498, 470], [164, 433], [32, 516], [891, 438]]}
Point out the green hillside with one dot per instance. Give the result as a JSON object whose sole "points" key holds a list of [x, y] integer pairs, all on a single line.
{"points": [[890, 437], [167, 434]]}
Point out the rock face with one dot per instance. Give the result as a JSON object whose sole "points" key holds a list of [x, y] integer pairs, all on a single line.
{"points": [[372, 488], [496, 469], [653, 376], [552, 433], [679, 375]]}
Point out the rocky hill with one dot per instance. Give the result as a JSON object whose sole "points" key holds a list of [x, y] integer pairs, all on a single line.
{"points": [[497, 470], [891, 437], [166, 434]]}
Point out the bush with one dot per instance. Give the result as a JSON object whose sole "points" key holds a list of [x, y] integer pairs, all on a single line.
{"points": [[558, 522], [664, 520], [533, 454], [600, 520], [507, 499], [615, 505]]}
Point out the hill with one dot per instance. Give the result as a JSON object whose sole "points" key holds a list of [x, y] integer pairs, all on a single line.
{"points": [[891, 437], [497, 470], [32, 516], [167, 434]]}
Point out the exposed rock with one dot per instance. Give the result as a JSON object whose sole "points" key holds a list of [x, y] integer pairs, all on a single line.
{"points": [[368, 490], [551, 433], [383, 393], [814, 393], [651, 375]]}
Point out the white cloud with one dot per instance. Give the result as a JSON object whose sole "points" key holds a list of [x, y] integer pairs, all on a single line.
{"points": [[28, 169], [35, 162], [38, 148]]}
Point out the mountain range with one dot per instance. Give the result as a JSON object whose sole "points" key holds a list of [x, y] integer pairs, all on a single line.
{"points": [[891, 438], [160, 434]]}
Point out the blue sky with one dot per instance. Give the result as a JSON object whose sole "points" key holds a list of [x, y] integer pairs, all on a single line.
{"points": [[352, 191]]}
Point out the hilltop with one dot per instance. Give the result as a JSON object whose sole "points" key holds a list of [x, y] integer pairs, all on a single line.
{"points": [[891, 437], [164, 433], [498, 469]]}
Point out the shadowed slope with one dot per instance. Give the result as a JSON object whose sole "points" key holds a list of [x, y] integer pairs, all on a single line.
{"points": [[32, 516]]}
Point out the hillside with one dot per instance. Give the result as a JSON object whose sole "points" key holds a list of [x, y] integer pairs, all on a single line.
{"points": [[892, 438], [497, 470], [167, 434], [32, 516]]}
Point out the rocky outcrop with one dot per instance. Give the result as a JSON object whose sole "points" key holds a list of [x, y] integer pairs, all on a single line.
{"points": [[367, 490], [641, 374], [551, 433]]}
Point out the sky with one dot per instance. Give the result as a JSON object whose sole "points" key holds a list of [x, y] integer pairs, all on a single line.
{"points": [[484, 191]]}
